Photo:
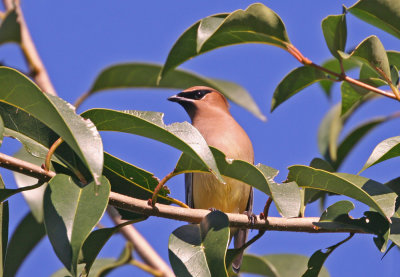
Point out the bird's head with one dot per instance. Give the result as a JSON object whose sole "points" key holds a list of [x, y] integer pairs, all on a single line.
{"points": [[201, 99]]}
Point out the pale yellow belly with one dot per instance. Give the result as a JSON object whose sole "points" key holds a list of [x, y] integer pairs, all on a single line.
{"points": [[231, 197]]}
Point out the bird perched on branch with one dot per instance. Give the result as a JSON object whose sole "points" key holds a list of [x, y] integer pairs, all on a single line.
{"points": [[209, 111]]}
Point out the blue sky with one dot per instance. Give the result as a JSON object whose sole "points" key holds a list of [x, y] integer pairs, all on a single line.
{"points": [[77, 39]]}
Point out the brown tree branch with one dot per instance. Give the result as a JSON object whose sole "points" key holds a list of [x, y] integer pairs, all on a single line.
{"points": [[141, 246], [340, 76], [32, 57], [124, 202]]}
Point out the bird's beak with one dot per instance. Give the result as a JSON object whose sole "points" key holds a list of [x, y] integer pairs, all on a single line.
{"points": [[177, 98]]}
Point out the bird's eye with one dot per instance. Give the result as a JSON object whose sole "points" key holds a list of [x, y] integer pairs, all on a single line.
{"points": [[198, 95]]}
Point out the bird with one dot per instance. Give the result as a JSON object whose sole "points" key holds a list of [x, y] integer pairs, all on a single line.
{"points": [[209, 112]]}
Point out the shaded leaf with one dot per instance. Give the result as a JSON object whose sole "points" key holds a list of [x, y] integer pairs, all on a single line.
{"points": [[385, 150], [141, 75], [94, 243], [286, 196], [384, 14], [372, 53], [394, 75], [4, 220], [367, 191], [295, 81], [328, 133], [1, 130], [354, 136], [81, 135], [5, 193], [318, 259], [10, 30], [351, 96], [256, 24], [70, 213], [394, 58], [337, 217], [277, 265], [21, 245], [335, 32], [199, 250], [182, 136]]}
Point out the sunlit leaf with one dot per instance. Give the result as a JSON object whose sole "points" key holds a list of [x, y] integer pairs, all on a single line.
{"points": [[335, 32], [286, 196], [70, 213], [295, 81], [372, 53], [21, 244], [256, 24], [81, 135], [33, 197], [367, 191], [384, 14], [141, 75], [385, 150], [199, 250], [182, 136], [10, 30]]}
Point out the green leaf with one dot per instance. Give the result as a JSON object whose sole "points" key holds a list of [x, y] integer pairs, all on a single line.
{"points": [[394, 75], [10, 30], [1, 130], [367, 191], [334, 65], [394, 58], [372, 53], [199, 250], [385, 150], [256, 24], [34, 197], [141, 75], [384, 14], [182, 136], [6, 193], [318, 259], [295, 81], [354, 136], [286, 196], [4, 220], [335, 32], [277, 265], [328, 133], [351, 96], [21, 244], [336, 217], [98, 265], [70, 213], [94, 243], [81, 135]]}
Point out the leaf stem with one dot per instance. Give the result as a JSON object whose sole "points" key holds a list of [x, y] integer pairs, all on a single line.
{"points": [[160, 185], [81, 98], [341, 76], [146, 268]]}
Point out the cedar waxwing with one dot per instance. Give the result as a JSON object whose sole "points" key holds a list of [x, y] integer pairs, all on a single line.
{"points": [[209, 111]]}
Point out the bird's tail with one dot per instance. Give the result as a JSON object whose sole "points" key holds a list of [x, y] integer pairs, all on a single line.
{"points": [[239, 240]]}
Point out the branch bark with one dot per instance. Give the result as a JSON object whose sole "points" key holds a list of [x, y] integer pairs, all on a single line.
{"points": [[32, 57], [124, 202]]}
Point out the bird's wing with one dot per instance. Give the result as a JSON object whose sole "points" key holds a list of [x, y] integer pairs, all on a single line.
{"points": [[239, 239], [189, 189]]}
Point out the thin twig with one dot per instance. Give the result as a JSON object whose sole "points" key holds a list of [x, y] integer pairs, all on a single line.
{"points": [[127, 203], [32, 57], [141, 246], [340, 76]]}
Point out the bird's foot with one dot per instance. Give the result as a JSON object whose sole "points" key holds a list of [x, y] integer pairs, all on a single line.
{"points": [[212, 209], [252, 217]]}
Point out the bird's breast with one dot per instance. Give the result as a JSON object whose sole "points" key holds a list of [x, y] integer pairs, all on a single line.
{"points": [[208, 192]]}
